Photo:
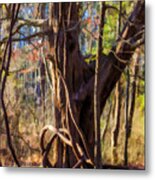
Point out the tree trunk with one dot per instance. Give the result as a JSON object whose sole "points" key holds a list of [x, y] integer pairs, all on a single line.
{"points": [[66, 64], [133, 91], [118, 102], [97, 134], [126, 118], [130, 111]]}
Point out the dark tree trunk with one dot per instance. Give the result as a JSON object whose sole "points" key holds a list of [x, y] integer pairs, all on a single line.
{"points": [[97, 134], [126, 118], [66, 64]]}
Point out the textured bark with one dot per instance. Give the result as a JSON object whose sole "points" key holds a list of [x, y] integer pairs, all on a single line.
{"points": [[66, 60]]}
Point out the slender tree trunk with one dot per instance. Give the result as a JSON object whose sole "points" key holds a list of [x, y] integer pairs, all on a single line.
{"points": [[133, 90], [115, 133], [42, 71], [118, 103], [107, 122], [97, 146], [126, 118]]}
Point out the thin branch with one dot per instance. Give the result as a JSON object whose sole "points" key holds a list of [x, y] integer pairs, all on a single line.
{"points": [[28, 21], [26, 38]]}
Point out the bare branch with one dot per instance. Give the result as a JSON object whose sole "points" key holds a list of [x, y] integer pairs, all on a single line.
{"points": [[26, 38]]}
